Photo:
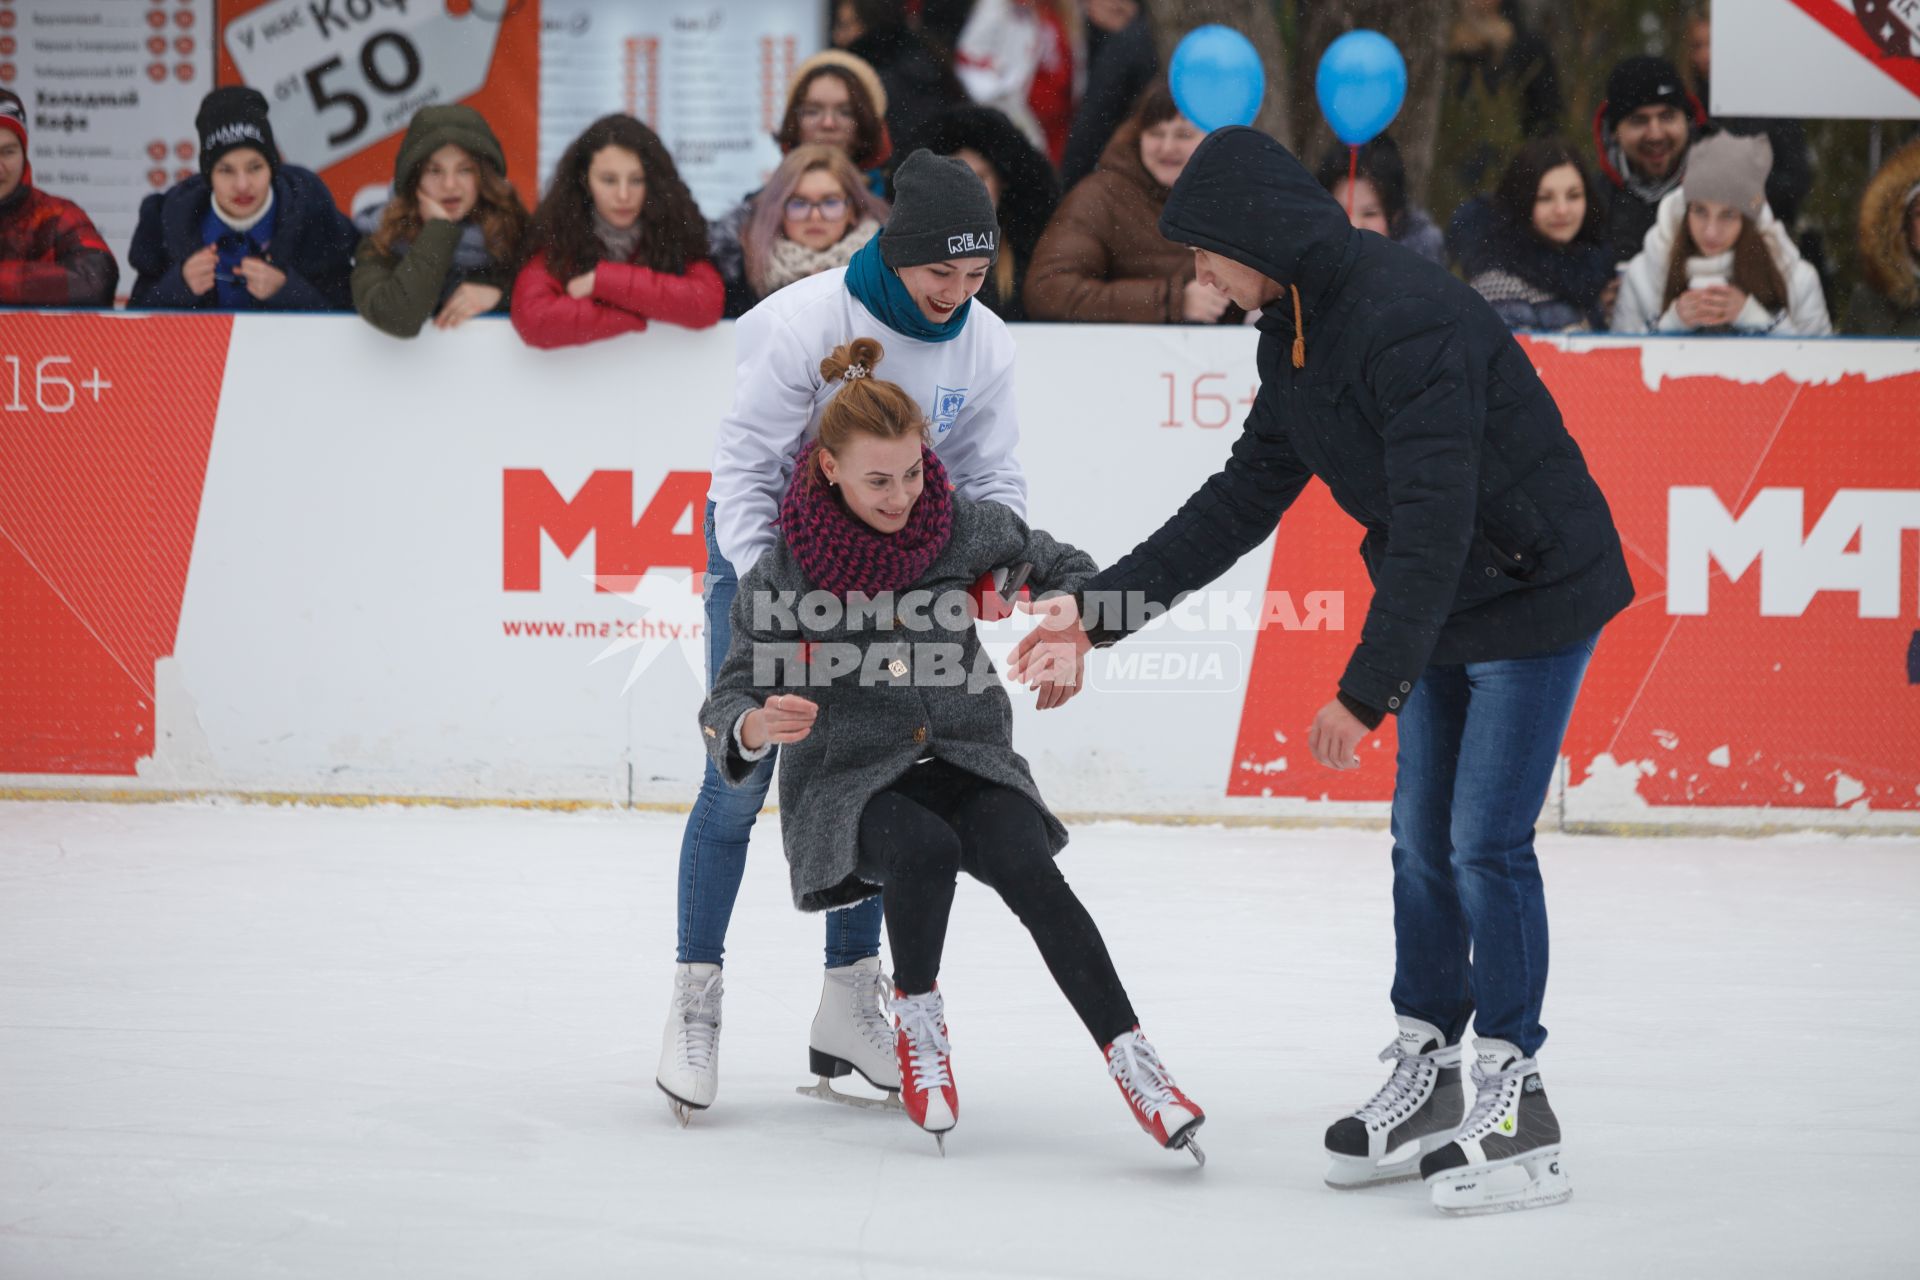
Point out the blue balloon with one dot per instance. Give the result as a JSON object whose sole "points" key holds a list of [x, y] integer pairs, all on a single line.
{"points": [[1217, 78], [1361, 83]]}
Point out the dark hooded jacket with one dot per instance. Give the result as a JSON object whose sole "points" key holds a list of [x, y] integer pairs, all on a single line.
{"points": [[1486, 537], [312, 242]]}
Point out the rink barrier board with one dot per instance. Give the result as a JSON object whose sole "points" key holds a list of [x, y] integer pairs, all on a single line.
{"points": [[288, 556], [1549, 821]]}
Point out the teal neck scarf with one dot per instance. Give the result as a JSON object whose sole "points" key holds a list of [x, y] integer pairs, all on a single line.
{"points": [[881, 292]]}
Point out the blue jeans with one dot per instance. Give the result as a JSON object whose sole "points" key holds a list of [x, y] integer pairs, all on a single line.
{"points": [[1478, 746], [713, 852]]}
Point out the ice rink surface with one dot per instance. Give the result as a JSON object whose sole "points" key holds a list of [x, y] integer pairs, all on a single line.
{"points": [[250, 1043]]}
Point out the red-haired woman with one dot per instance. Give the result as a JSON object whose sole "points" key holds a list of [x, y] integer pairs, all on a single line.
{"points": [[617, 241], [875, 805]]}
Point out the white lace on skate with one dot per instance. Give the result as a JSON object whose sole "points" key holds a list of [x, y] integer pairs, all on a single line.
{"points": [[1132, 1062], [927, 1048], [1403, 1092], [1494, 1089], [697, 1005], [871, 992]]}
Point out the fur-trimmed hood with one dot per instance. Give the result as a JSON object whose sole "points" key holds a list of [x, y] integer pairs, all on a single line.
{"points": [[1886, 256]]}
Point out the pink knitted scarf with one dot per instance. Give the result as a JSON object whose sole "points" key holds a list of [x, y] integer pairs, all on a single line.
{"points": [[841, 553]]}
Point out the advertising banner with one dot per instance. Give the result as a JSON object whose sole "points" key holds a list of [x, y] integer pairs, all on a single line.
{"points": [[289, 554], [345, 77], [1826, 59], [710, 79]]}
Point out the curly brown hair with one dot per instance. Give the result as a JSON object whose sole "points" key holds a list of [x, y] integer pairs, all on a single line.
{"points": [[673, 234], [864, 405], [498, 211]]}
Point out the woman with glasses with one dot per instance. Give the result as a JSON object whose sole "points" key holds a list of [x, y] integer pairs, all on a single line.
{"points": [[834, 100], [813, 215], [617, 242]]}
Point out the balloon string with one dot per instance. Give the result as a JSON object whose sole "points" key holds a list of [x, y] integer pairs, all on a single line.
{"points": [[1353, 177]]}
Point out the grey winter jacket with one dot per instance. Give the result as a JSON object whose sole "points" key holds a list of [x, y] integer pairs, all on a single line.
{"points": [[896, 706]]}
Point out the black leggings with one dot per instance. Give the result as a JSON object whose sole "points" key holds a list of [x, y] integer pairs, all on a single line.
{"points": [[939, 820]]}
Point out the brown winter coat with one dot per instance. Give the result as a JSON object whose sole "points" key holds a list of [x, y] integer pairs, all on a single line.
{"points": [[1103, 259], [1887, 301]]}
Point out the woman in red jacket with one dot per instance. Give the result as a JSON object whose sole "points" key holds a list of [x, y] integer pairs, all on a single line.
{"points": [[617, 241]]}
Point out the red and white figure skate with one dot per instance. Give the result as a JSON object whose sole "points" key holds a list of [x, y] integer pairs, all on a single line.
{"points": [[1168, 1115], [926, 1062], [851, 1034]]}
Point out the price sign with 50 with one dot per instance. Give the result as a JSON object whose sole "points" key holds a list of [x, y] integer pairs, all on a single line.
{"points": [[344, 74]]}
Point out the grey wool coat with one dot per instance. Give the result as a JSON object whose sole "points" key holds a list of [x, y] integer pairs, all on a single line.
{"points": [[899, 703]]}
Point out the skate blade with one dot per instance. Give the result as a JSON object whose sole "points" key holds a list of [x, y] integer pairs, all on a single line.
{"points": [[682, 1110], [1537, 1180], [940, 1140], [1192, 1148], [1350, 1173], [1402, 1164], [825, 1092]]}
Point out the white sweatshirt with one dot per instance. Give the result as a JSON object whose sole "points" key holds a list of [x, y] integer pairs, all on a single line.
{"points": [[1638, 310], [964, 386]]}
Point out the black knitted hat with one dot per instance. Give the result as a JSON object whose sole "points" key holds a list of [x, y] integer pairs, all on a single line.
{"points": [[232, 118], [1640, 82], [940, 211]]}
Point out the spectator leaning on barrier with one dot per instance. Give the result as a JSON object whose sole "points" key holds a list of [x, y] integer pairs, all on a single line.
{"points": [[1380, 197], [1018, 180], [1103, 259], [1887, 300], [446, 246], [1641, 134], [835, 100], [813, 215], [1533, 250], [618, 241], [50, 254], [249, 233], [1717, 258], [1121, 62]]}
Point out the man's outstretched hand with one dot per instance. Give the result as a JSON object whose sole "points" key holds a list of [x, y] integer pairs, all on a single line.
{"points": [[1335, 736], [1049, 658]]}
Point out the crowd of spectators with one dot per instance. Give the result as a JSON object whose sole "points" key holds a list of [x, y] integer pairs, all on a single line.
{"points": [[1665, 220]]}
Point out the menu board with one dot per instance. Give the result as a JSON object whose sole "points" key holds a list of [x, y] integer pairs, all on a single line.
{"points": [[111, 88], [710, 79]]}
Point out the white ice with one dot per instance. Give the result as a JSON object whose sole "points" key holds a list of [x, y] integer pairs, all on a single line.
{"points": [[258, 1042]]}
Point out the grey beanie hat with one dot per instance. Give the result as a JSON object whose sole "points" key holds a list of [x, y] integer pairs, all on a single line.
{"points": [[940, 211], [1730, 170]]}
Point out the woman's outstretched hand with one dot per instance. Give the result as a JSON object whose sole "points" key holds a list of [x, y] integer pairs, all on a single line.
{"points": [[786, 717], [1048, 658]]}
